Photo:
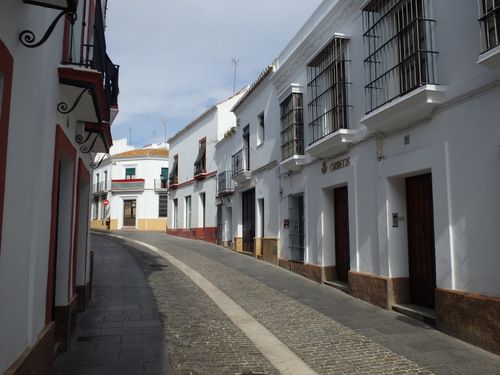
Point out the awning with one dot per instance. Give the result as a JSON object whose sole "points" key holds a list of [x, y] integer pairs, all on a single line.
{"points": [[201, 154]]}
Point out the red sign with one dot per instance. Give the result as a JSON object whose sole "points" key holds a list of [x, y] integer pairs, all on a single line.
{"points": [[105, 202]]}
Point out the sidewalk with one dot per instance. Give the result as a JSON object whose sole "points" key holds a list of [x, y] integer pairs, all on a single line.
{"points": [[120, 332]]}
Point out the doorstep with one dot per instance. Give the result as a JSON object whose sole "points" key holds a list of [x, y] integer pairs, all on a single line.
{"points": [[421, 313], [340, 285]]}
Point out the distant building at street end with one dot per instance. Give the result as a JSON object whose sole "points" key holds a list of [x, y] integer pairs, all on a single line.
{"points": [[130, 188]]}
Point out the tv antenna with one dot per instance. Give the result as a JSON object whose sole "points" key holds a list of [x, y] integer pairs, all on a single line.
{"points": [[235, 62], [165, 123]]}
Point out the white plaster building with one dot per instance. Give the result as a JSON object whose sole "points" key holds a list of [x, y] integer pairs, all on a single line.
{"points": [[193, 174], [388, 182], [249, 159], [130, 188], [58, 97]]}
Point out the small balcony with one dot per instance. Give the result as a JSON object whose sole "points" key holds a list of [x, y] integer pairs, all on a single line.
{"points": [[88, 82], [330, 135], [173, 182], [225, 184], [200, 173], [416, 105], [135, 184], [241, 166], [161, 184], [100, 187]]}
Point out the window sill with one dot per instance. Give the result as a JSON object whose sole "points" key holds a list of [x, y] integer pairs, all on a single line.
{"points": [[293, 163], [490, 59], [398, 114], [332, 144]]}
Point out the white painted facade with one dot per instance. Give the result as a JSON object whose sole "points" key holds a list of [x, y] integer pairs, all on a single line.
{"points": [[253, 167], [134, 197], [445, 128], [192, 190], [45, 183]]}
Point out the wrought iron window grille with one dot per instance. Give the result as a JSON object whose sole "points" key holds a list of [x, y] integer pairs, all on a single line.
{"points": [[292, 126], [327, 88], [489, 20], [399, 49]]}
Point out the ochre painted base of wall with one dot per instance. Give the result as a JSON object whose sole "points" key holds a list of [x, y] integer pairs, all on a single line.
{"points": [[269, 250], [470, 317], [238, 244], [98, 224], [152, 224], [207, 234], [378, 290], [111, 224], [37, 360], [258, 243], [65, 320]]}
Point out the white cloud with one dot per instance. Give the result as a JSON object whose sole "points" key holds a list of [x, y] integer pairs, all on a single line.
{"points": [[175, 55]]}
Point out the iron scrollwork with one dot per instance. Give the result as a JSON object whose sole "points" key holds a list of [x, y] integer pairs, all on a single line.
{"points": [[27, 37], [81, 139], [95, 165], [63, 107], [86, 149]]}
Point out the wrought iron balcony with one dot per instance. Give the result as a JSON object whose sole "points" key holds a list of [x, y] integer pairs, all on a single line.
{"points": [[89, 81], [225, 185], [100, 186], [161, 184], [199, 172], [241, 166]]}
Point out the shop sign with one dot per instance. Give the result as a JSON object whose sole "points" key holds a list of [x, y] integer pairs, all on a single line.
{"points": [[339, 164]]}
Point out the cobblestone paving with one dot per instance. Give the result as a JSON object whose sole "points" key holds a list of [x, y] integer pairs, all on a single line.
{"points": [[202, 340]]}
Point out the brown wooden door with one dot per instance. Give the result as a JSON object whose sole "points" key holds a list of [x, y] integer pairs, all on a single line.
{"points": [[421, 252], [129, 213], [248, 198], [342, 256]]}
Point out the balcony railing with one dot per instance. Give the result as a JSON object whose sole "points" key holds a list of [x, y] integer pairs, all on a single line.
{"points": [[100, 186], [91, 54], [199, 171], [224, 183], [161, 184], [240, 162]]}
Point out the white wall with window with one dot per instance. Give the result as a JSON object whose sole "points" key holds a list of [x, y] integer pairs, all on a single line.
{"points": [[369, 97], [193, 182], [138, 177]]}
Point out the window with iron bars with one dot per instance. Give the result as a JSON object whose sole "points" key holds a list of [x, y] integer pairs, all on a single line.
{"points": [[398, 48], [327, 90], [162, 205], [292, 126], [489, 20]]}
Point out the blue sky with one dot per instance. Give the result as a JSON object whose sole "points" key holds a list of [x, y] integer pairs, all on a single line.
{"points": [[176, 56]]}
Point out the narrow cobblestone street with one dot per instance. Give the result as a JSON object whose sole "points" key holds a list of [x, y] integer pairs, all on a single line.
{"points": [[326, 330]]}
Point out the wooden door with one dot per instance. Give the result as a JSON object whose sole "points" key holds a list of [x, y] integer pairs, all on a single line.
{"points": [[341, 217], [129, 213], [248, 198], [421, 251]]}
